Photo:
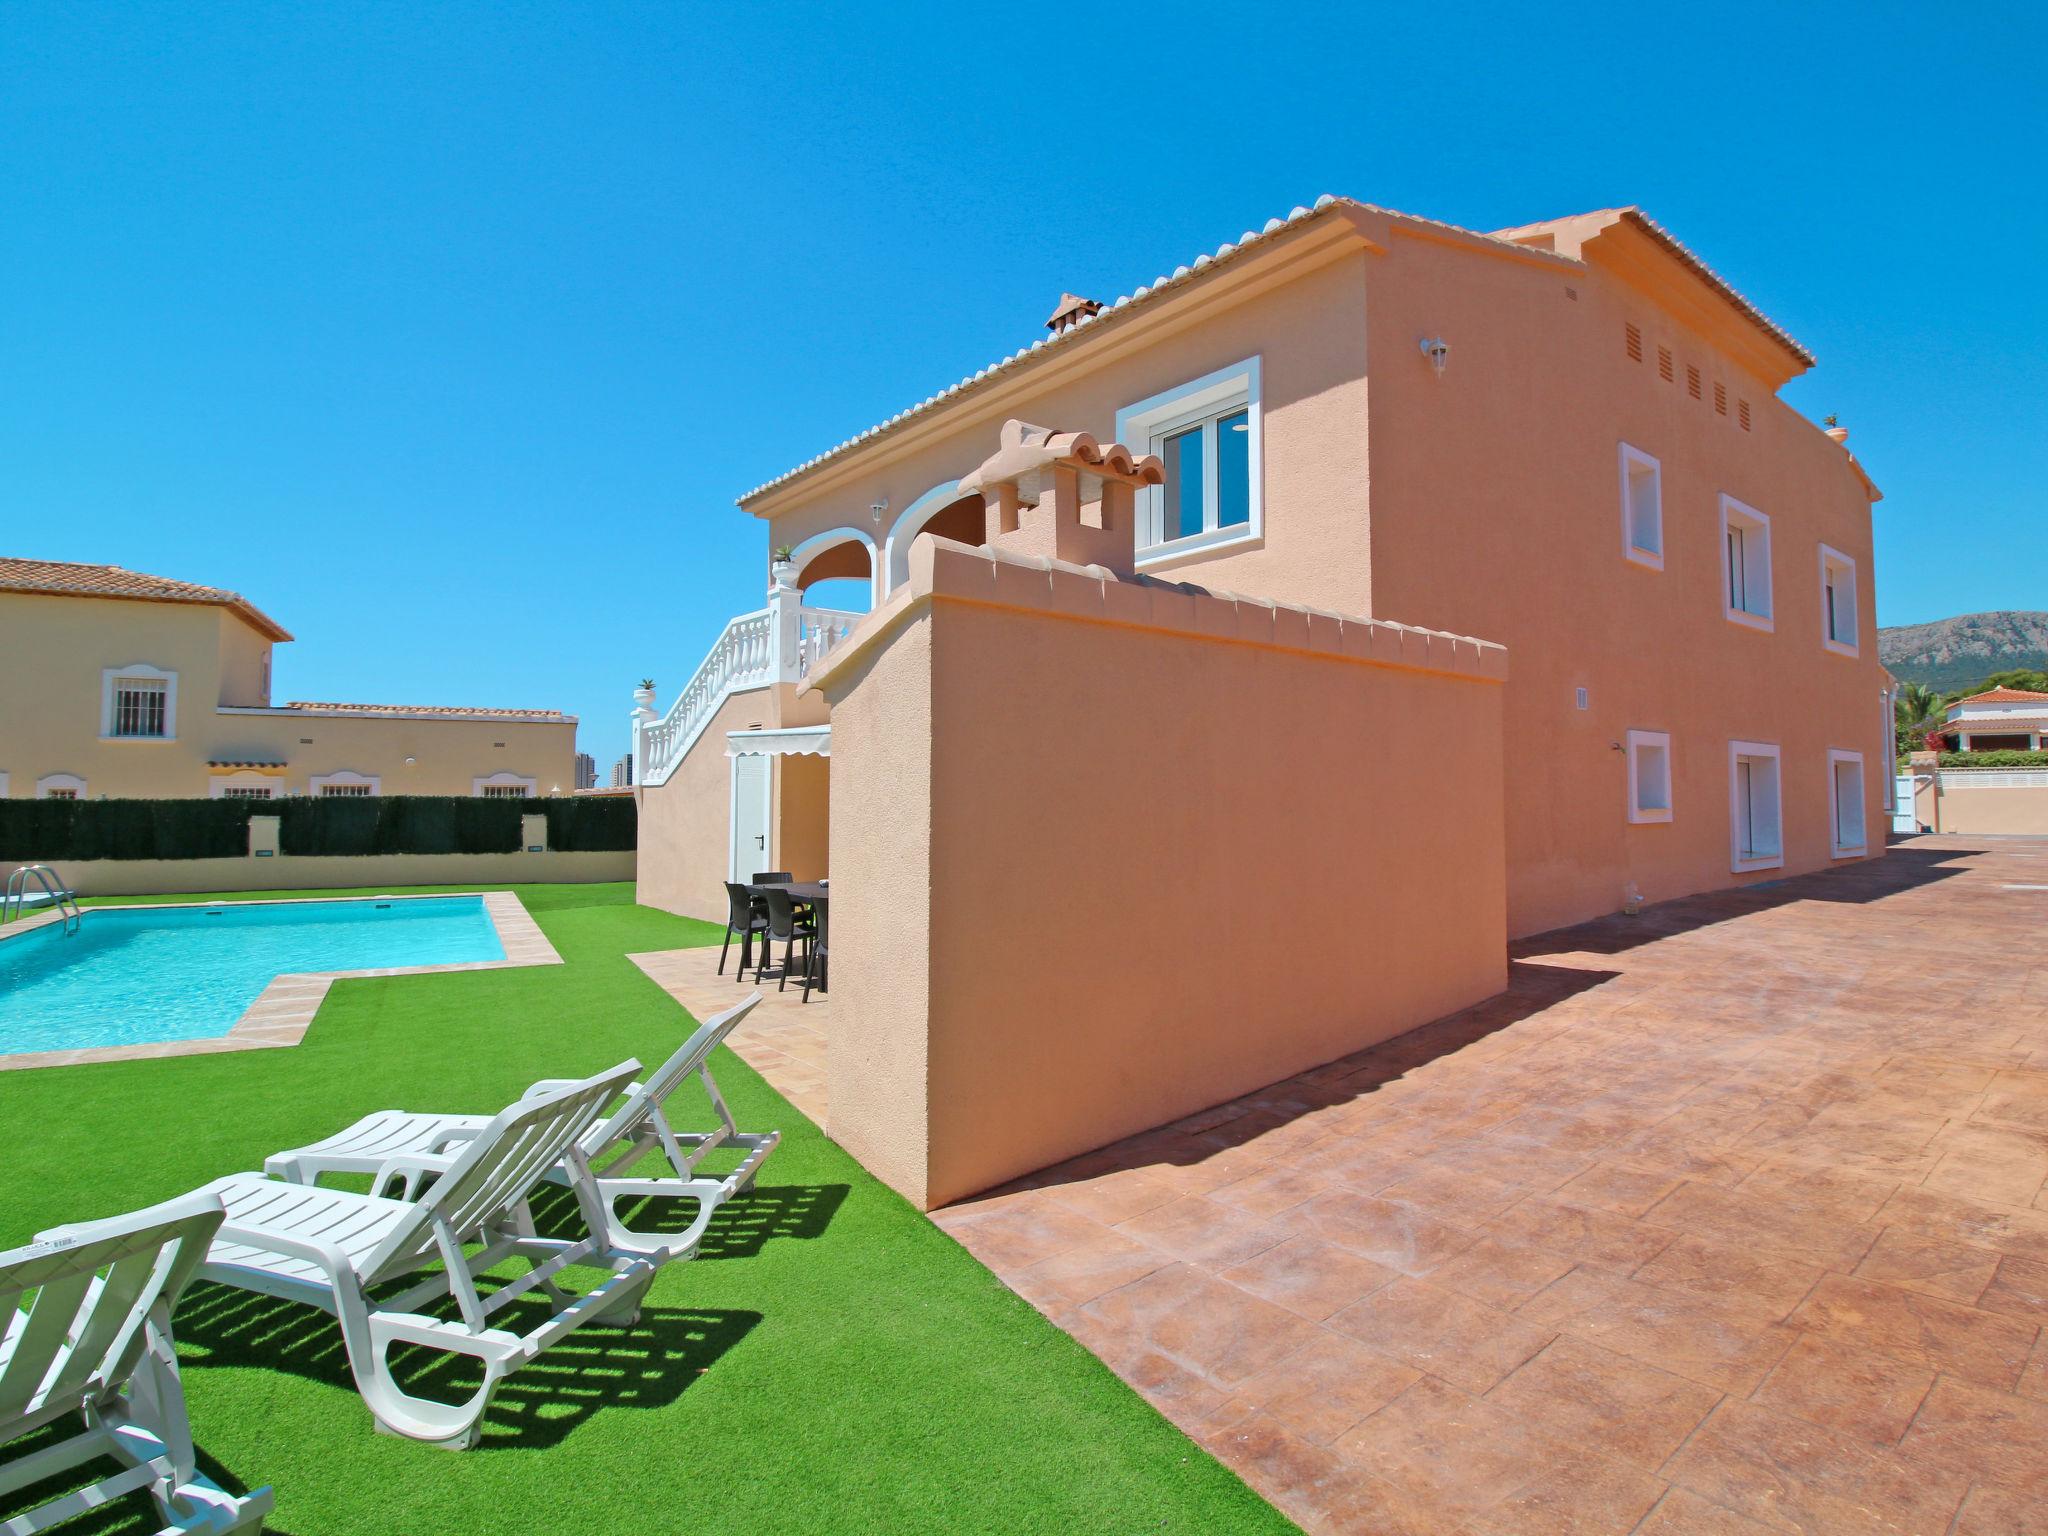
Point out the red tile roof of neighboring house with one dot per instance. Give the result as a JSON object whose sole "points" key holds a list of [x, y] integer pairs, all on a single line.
{"points": [[1231, 251], [2000, 696], [63, 578], [431, 711]]}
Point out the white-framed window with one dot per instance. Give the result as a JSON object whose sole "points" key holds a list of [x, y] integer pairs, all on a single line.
{"points": [[1838, 623], [243, 784], [60, 786], [1642, 508], [1649, 776], [329, 785], [138, 702], [1846, 814], [502, 785], [1756, 837], [1207, 433], [1746, 563]]}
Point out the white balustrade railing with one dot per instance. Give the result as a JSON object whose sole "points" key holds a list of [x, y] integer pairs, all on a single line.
{"points": [[819, 634], [779, 643]]}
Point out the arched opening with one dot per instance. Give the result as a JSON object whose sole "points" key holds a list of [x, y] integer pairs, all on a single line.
{"points": [[836, 569], [942, 510]]}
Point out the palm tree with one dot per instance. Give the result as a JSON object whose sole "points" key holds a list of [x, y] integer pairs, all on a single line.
{"points": [[1919, 709]]}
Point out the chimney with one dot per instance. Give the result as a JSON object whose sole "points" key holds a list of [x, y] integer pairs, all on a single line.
{"points": [[1072, 310]]}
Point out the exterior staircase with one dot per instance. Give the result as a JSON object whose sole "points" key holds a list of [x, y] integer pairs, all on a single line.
{"points": [[780, 643]]}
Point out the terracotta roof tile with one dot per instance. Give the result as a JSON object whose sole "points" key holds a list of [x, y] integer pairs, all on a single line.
{"points": [[1230, 251], [2001, 696], [62, 578], [429, 711]]}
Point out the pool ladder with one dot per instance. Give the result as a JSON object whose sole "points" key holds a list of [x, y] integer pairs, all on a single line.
{"points": [[53, 889]]}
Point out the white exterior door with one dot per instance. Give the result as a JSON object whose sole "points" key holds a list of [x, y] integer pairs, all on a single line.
{"points": [[749, 816]]}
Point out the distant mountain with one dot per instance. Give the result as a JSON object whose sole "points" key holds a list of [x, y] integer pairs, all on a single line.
{"points": [[1953, 653]]}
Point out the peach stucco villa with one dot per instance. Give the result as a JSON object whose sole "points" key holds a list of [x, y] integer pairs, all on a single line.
{"points": [[1251, 657]]}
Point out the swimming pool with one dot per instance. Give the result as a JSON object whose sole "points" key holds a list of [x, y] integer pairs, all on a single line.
{"points": [[137, 975]]}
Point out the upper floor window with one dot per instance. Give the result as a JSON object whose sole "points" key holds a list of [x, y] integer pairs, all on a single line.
{"points": [[1746, 563], [1837, 601], [244, 792], [1642, 508], [138, 702], [1206, 433]]}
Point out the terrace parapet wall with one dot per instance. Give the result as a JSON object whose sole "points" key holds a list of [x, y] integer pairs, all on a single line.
{"points": [[1109, 850]]}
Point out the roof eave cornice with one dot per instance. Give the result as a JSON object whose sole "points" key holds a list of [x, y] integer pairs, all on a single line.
{"points": [[1282, 252]]}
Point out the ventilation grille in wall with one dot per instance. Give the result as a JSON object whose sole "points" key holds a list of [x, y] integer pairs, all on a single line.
{"points": [[1635, 345], [1692, 381], [1664, 364], [1720, 399], [1742, 413]]}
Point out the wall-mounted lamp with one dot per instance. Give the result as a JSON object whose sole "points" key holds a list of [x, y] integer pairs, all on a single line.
{"points": [[410, 761], [1438, 351], [877, 508]]}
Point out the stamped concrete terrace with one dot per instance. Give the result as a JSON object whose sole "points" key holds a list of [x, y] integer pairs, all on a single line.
{"points": [[1729, 1217]]}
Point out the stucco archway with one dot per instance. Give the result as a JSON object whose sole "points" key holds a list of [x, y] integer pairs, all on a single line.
{"points": [[835, 554], [942, 509]]}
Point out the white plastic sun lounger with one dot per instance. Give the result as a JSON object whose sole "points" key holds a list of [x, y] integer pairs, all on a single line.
{"points": [[329, 1248], [95, 1339], [396, 1145]]}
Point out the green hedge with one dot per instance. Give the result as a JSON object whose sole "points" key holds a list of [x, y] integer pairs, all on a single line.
{"points": [[1994, 759], [45, 831], [358, 824], [592, 824], [40, 831]]}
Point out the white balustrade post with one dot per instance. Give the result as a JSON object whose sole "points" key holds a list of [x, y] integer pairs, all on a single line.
{"points": [[642, 718], [785, 623]]}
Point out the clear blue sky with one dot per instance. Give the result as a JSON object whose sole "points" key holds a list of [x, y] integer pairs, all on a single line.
{"points": [[448, 334]]}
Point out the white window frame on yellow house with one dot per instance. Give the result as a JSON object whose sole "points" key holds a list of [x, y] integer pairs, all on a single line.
{"points": [[1646, 749], [344, 782], [481, 787], [1145, 426], [1838, 758], [1746, 565], [1640, 473], [241, 783], [1838, 581], [60, 786], [111, 679]]}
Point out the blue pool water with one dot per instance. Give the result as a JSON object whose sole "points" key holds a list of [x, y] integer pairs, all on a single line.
{"points": [[141, 974]]}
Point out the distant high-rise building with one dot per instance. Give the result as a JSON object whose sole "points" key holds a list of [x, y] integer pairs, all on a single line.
{"points": [[586, 771], [622, 772]]}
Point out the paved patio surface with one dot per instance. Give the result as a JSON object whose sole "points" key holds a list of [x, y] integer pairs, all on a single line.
{"points": [[783, 1039], [1725, 1218]]}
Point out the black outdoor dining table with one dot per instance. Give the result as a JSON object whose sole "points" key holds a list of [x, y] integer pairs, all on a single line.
{"points": [[799, 890]]}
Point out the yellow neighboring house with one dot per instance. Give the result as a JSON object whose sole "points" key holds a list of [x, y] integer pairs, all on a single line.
{"points": [[122, 684]]}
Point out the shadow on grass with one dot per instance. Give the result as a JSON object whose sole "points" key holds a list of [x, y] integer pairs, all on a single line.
{"points": [[741, 1228], [131, 1514], [648, 1365]]}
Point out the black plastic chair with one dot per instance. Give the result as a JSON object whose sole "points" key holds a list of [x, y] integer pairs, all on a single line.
{"points": [[746, 917], [774, 877], [817, 965], [790, 926]]}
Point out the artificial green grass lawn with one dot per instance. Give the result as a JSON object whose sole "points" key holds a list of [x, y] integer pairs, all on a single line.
{"points": [[830, 1362]]}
